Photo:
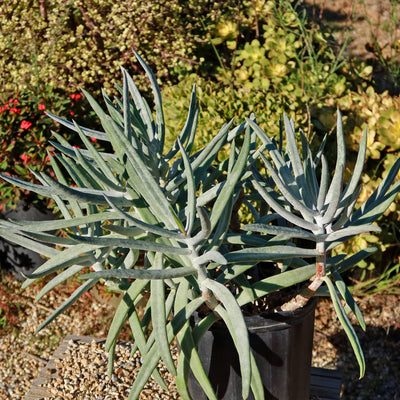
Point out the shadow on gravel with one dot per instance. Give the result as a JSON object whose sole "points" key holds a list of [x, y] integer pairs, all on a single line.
{"points": [[382, 356]]}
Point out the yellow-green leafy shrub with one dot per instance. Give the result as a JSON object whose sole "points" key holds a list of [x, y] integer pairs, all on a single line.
{"points": [[380, 114], [74, 44]]}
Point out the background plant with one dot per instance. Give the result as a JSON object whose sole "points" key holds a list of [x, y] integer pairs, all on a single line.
{"points": [[25, 131]]}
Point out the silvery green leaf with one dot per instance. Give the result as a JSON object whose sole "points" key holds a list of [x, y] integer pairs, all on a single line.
{"points": [[205, 230], [276, 155], [190, 209], [276, 282], [229, 272], [39, 189], [293, 152], [148, 274], [157, 102], [50, 239], [67, 210], [357, 171], [113, 111], [81, 254], [310, 192], [346, 208], [189, 357], [143, 182], [266, 194], [203, 159], [59, 278], [91, 196], [111, 240], [348, 298], [141, 106], [257, 386], [268, 253], [187, 134], [153, 356], [350, 231], [127, 231], [125, 307], [88, 132], [353, 260], [68, 303], [335, 189], [145, 227], [348, 328], [209, 256], [279, 230], [101, 180], [333, 197], [33, 226], [234, 320], [159, 317], [18, 238], [290, 192], [324, 183], [231, 180], [380, 200]]}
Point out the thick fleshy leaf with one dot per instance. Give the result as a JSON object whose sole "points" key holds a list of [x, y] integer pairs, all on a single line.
{"points": [[347, 326], [265, 193], [233, 318], [159, 318], [279, 230], [148, 274], [69, 302], [276, 282], [379, 201], [117, 241], [268, 253], [348, 298]]}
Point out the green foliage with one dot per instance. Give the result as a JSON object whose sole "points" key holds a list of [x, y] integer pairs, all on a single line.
{"points": [[24, 133], [278, 63], [66, 44], [173, 205]]}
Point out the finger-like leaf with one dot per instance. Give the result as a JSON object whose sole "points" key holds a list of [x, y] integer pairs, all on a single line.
{"points": [[159, 319], [279, 230], [146, 274], [268, 253], [348, 298], [111, 240], [68, 303], [233, 318], [348, 328]]}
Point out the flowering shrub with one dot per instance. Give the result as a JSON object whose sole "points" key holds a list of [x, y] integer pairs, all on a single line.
{"points": [[24, 133]]}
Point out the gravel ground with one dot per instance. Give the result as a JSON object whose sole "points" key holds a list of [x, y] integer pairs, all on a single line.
{"points": [[23, 353]]}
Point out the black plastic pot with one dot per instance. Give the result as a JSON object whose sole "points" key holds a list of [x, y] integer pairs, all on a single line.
{"points": [[282, 346], [15, 258]]}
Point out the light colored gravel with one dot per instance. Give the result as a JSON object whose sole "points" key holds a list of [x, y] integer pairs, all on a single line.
{"points": [[23, 353]]}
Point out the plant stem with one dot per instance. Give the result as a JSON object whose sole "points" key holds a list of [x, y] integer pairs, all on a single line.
{"points": [[305, 295]]}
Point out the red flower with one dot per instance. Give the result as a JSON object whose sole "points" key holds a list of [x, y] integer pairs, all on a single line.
{"points": [[76, 96], [25, 158], [93, 139], [15, 110], [41, 107], [25, 124], [71, 112]]}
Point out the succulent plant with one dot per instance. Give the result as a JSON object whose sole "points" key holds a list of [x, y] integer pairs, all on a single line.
{"points": [[155, 225], [309, 205]]}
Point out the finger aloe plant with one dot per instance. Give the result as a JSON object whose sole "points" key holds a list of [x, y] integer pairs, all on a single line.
{"points": [[299, 191], [175, 209]]}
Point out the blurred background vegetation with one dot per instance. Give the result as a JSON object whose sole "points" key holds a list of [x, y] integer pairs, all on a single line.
{"points": [[249, 56]]}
